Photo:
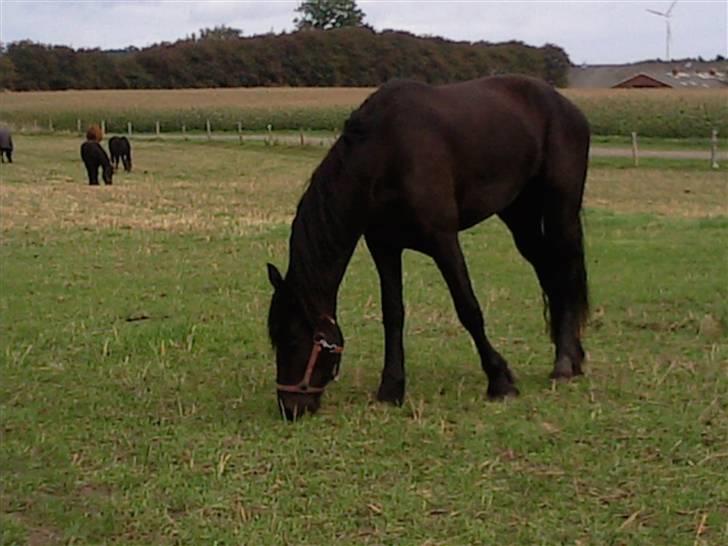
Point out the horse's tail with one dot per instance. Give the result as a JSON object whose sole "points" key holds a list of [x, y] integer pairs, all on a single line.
{"points": [[570, 289], [562, 218]]}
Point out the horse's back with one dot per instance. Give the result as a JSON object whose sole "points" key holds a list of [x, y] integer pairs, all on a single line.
{"points": [[461, 152]]}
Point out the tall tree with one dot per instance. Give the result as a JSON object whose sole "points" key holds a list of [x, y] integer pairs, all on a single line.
{"points": [[326, 14]]}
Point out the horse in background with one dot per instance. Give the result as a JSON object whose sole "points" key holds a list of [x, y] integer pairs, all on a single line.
{"points": [[94, 156], [6, 145], [415, 165], [120, 149]]}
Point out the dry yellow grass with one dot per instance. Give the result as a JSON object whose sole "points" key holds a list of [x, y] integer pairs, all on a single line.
{"points": [[174, 186], [181, 99], [66, 204], [223, 187], [687, 194]]}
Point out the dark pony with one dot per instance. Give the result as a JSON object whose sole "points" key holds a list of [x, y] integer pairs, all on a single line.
{"points": [[94, 156], [415, 165], [120, 149], [6, 145]]}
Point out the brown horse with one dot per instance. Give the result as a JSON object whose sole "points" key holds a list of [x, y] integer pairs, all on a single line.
{"points": [[415, 165]]}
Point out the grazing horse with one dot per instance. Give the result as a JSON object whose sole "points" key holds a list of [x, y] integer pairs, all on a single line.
{"points": [[415, 165], [6, 145], [94, 156], [120, 149]]}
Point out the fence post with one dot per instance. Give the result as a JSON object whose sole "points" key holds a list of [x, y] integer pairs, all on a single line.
{"points": [[209, 130], [156, 127], [240, 131], [269, 140], [78, 126], [300, 134], [184, 131], [103, 127], [714, 149], [635, 150], [50, 124], [128, 128]]}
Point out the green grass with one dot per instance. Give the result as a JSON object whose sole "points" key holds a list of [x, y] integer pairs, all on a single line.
{"points": [[137, 394]]}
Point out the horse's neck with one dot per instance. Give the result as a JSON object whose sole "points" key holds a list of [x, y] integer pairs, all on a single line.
{"points": [[323, 238]]}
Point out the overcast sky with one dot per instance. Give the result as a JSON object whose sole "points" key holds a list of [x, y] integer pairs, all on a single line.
{"points": [[591, 31]]}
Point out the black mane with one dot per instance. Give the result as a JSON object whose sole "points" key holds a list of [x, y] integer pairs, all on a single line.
{"points": [[318, 235]]}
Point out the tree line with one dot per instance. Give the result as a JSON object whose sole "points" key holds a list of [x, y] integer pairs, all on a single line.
{"points": [[221, 57]]}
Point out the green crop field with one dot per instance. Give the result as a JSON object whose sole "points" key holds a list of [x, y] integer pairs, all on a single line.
{"points": [[651, 113], [137, 385]]}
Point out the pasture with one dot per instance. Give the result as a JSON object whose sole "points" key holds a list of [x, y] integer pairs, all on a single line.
{"points": [[137, 392], [651, 113]]}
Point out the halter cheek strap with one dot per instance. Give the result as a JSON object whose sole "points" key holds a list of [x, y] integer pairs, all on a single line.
{"points": [[305, 387]]}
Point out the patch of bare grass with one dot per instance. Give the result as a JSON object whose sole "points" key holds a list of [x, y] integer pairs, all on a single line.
{"points": [[175, 187], [143, 206], [686, 194]]}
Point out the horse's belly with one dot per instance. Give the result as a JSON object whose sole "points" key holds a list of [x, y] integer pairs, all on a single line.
{"points": [[486, 198]]}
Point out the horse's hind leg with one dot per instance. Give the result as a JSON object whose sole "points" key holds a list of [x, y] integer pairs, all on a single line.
{"points": [[546, 228], [449, 259]]}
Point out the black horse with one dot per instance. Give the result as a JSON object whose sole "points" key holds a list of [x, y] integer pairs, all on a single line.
{"points": [[415, 165], [94, 156], [120, 149], [6, 145]]}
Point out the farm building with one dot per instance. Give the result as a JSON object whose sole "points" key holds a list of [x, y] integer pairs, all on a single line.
{"points": [[680, 75]]}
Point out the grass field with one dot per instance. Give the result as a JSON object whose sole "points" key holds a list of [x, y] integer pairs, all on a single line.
{"points": [[137, 395], [651, 113]]}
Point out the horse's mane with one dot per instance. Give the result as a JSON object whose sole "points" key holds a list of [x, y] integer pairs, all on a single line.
{"points": [[319, 234]]}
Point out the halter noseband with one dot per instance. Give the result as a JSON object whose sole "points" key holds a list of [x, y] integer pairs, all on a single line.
{"points": [[304, 386]]}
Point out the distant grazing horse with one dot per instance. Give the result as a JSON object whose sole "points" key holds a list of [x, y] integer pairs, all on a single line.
{"points": [[6, 145], [415, 165], [94, 156], [119, 148]]}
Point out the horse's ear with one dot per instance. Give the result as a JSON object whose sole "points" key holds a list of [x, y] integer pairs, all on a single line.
{"points": [[274, 276]]}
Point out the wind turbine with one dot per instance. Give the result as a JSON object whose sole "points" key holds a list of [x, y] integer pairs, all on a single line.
{"points": [[666, 15]]}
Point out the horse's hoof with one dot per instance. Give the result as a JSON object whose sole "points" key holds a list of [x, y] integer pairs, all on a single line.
{"points": [[511, 392], [502, 387], [392, 393], [565, 370]]}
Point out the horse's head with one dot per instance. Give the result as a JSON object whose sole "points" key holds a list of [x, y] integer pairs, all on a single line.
{"points": [[308, 349]]}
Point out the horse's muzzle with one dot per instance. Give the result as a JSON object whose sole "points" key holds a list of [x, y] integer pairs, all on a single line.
{"points": [[294, 405]]}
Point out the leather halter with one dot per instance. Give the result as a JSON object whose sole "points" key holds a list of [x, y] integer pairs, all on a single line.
{"points": [[304, 386]]}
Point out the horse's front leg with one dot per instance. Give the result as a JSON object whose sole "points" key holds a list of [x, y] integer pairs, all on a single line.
{"points": [[388, 261], [446, 251]]}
